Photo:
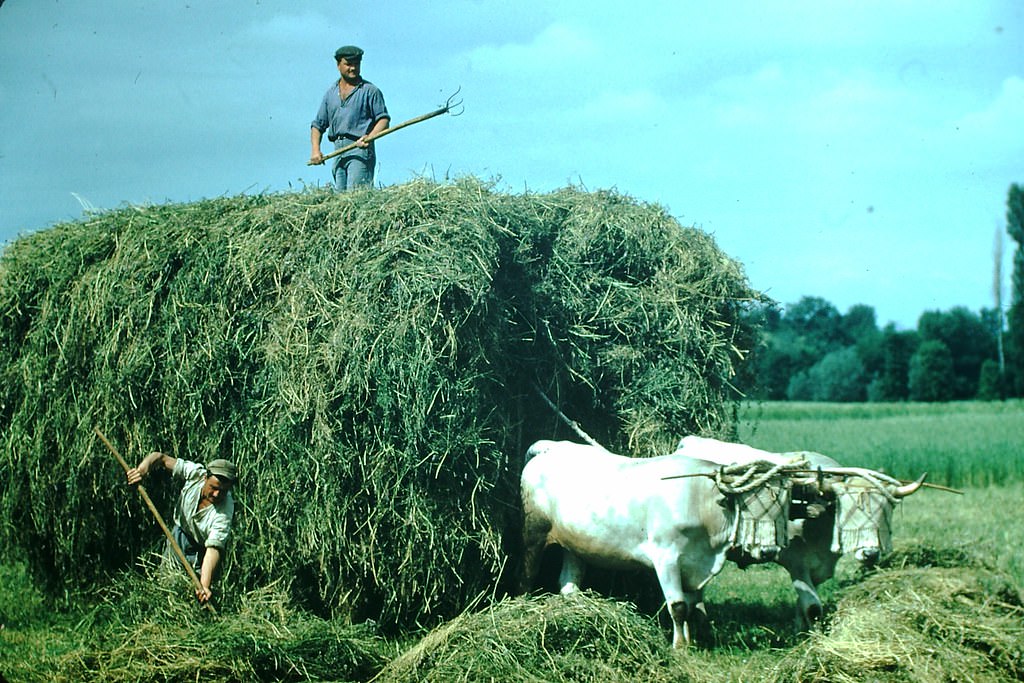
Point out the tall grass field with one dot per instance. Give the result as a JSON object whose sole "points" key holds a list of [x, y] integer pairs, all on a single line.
{"points": [[958, 444], [945, 606]]}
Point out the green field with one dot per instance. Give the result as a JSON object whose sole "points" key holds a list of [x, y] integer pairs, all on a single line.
{"points": [[958, 444], [946, 605]]}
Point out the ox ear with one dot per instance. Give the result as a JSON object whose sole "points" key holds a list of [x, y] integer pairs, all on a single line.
{"points": [[907, 489]]}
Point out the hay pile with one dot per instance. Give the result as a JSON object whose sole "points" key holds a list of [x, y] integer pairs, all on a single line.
{"points": [[920, 624], [141, 630], [553, 638], [368, 359]]}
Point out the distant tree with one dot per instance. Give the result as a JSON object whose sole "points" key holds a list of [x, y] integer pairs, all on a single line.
{"points": [[818, 324], [861, 330], [839, 376], [781, 357], [990, 385], [875, 394], [780, 354], [766, 372], [969, 342], [931, 372], [1015, 315], [859, 322], [800, 387], [893, 383], [997, 321], [801, 336], [765, 314]]}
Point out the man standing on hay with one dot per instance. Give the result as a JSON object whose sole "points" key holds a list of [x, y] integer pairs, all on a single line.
{"points": [[352, 110], [202, 513]]}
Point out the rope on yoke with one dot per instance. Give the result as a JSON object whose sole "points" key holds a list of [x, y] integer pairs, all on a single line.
{"points": [[762, 510], [736, 478]]}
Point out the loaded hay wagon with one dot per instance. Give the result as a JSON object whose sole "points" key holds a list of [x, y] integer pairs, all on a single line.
{"points": [[368, 360]]}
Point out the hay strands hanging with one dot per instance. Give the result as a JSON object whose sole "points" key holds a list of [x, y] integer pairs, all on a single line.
{"points": [[159, 519], [450, 105]]}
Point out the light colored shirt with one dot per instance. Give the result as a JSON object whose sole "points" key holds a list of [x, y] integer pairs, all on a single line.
{"points": [[210, 526], [353, 117]]}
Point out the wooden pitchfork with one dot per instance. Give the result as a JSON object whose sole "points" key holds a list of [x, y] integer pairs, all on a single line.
{"points": [[451, 104], [160, 520]]}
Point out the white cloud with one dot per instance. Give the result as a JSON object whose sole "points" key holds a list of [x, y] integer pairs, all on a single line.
{"points": [[622, 108], [556, 47], [285, 28], [1001, 121]]}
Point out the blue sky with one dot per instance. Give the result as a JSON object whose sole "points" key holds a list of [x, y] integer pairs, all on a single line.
{"points": [[857, 151]]}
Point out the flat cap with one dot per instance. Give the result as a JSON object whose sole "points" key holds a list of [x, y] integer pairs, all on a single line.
{"points": [[348, 52], [223, 469]]}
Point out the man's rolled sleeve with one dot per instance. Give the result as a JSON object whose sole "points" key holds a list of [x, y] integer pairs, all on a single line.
{"points": [[321, 122], [378, 109], [220, 532]]}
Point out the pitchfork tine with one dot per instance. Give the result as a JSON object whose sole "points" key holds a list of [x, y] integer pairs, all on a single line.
{"points": [[452, 103]]}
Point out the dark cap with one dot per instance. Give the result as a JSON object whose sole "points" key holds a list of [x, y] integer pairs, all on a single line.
{"points": [[348, 52], [223, 469]]}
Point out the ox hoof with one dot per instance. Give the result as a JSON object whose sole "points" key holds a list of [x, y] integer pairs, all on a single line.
{"points": [[868, 556], [809, 619]]}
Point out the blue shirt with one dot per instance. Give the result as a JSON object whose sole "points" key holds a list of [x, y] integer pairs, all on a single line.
{"points": [[351, 118]]}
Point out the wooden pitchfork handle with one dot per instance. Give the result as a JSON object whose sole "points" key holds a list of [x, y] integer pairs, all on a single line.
{"points": [[160, 520], [449, 105]]}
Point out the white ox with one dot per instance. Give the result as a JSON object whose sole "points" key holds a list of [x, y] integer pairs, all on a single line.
{"points": [[849, 510], [620, 512]]}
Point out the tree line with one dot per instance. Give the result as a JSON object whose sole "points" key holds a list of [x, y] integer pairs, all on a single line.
{"points": [[810, 351]]}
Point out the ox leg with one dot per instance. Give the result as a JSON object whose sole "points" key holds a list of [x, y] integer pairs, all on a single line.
{"points": [[697, 615], [572, 572], [816, 569], [809, 565], [680, 612], [676, 600], [808, 604]]}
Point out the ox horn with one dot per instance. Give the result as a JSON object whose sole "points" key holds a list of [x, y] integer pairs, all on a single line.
{"points": [[907, 489]]}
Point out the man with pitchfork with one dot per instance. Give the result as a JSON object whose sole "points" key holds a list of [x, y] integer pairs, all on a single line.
{"points": [[351, 110], [202, 513]]}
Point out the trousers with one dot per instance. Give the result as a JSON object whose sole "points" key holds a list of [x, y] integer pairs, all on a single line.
{"points": [[355, 170]]}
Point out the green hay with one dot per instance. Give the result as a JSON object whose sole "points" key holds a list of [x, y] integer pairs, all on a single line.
{"points": [[912, 552], [552, 638], [142, 630], [919, 624], [368, 359]]}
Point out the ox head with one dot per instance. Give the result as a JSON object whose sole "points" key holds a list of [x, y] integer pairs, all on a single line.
{"points": [[864, 501], [759, 494]]}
